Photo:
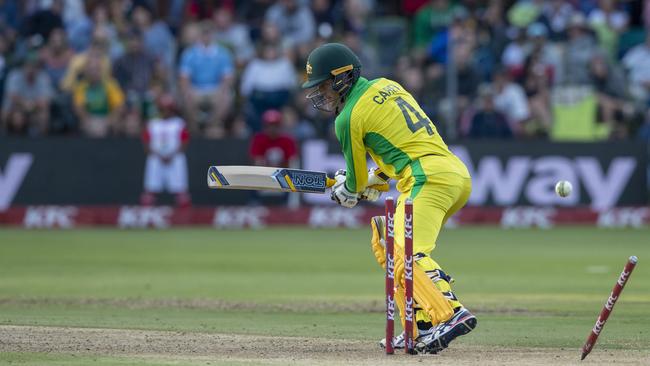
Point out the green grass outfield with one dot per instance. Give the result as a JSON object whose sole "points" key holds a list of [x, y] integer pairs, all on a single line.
{"points": [[530, 288]]}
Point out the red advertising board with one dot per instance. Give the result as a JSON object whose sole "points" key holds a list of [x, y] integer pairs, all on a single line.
{"points": [[232, 217]]}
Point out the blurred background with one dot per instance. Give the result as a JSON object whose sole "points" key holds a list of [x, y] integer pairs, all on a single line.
{"points": [[113, 110]]}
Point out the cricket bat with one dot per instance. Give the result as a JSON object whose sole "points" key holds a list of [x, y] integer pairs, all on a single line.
{"points": [[261, 178]]}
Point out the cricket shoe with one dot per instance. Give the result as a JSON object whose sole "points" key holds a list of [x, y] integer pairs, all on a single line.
{"points": [[460, 324], [399, 342]]}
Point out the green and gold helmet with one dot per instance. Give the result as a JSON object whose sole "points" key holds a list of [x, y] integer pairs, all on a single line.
{"points": [[333, 61]]}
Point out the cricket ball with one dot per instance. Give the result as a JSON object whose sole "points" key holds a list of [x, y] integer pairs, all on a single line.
{"points": [[563, 188]]}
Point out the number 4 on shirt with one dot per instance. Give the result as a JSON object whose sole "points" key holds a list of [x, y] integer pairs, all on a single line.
{"points": [[419, 123]]}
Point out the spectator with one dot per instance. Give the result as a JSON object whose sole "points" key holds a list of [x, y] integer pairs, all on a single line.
{"points": [[468, 77], [608, 24], [271, 147], [134, 71], [117, 13], [56, 55], [267, 83], [525, 12], [301, 129], [637, 63], [27, 97], [9, 19], [607, 14], [206, 79], [355, 16], [556, 15], [492, 19], [609, 84], [549, 57], [295, 21], [102, 23], [366, 54], [510, 99], [324, 16], [80, 33], [487, 122], [537, 84], [98, 50], [254, 12], [165, 140], [157, 39], [270, 33], [44, 20], [431, 19], [98, 101], [580, 49], [514, 54], [233, 35]]}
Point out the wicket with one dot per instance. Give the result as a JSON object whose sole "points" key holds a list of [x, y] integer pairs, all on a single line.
{"points": [[609, 306], [408, 275]]}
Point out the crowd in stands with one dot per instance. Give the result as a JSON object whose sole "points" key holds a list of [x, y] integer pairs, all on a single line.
{"points": [[518, 69]]}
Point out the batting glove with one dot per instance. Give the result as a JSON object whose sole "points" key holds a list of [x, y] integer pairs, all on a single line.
{"points": [[375, 178], [340, 193]]}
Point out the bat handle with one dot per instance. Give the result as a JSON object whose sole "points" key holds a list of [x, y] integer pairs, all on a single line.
{"points": [[380, 187], [330, 182]]}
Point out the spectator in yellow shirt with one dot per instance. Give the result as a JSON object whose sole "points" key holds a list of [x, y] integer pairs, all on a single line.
{"points": [[98, 101]]}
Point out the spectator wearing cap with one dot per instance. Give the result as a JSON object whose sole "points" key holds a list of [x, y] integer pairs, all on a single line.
{"points": [[206, 79], [267, 83], [271, 147], [295, 21], [637, 63], [232, 34], [27, 97]]}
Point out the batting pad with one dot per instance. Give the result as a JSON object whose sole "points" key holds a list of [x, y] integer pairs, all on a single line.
{"points": [[425, 293]]}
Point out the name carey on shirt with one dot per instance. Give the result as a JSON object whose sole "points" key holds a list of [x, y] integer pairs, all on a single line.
{"points": [[385, 92]]}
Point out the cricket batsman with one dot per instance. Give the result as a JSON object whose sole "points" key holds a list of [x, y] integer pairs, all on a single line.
{"points": [[379, 117]]}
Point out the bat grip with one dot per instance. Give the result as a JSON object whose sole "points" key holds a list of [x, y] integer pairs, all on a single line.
{"points": [[380, 187]]}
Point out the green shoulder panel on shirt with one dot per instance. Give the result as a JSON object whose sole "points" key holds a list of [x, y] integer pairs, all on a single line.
{"points": [[342, 128]]}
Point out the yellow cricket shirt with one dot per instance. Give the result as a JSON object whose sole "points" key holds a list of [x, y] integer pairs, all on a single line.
{"points": [[383, 119]]}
